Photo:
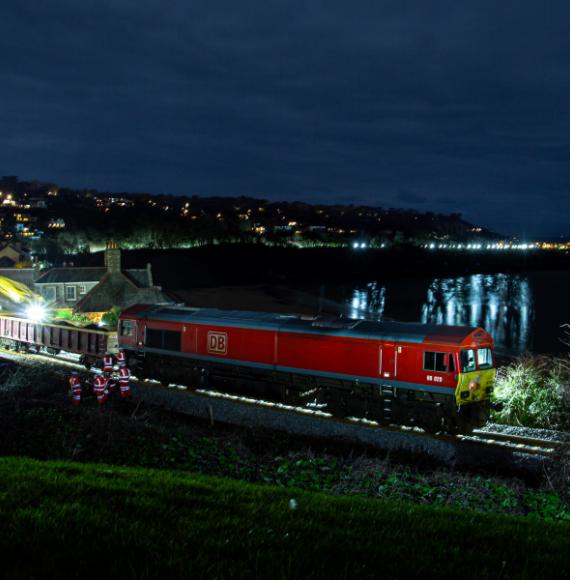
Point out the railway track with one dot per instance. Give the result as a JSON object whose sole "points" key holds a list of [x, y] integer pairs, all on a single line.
{"points": [[480, 438], [524, 444]]}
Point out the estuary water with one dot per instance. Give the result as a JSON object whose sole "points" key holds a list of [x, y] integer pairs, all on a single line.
{"points": [[523, 312]]}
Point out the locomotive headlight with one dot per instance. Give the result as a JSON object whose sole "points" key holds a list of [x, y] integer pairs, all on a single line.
{"points": [[36, 312]]}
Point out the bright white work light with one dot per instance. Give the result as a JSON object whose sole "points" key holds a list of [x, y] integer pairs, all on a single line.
{"points": [[36, 312]]}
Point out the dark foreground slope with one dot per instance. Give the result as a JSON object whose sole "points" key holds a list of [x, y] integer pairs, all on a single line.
{"points": [[59, 519]]}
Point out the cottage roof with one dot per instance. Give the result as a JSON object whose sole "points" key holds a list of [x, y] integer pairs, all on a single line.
{"points": [[141, 277], [117, 289], [70, 275], [24, 275]]}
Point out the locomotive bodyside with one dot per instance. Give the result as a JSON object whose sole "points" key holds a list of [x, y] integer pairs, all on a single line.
{"points": [[406, 373]]}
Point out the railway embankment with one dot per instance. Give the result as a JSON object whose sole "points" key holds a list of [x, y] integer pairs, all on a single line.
{"points": [[38, 422], [121, 522]]}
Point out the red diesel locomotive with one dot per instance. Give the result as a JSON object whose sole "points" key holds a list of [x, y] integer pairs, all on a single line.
{"points": [[437, 377]]}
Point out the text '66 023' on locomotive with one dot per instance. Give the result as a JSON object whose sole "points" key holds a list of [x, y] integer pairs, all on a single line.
{"points": [[437, 377]]}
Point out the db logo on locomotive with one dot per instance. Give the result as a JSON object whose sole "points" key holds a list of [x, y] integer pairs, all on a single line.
{"points": [[217, 342]]}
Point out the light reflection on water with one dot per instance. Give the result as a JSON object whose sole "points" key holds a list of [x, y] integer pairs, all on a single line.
{"points": [[368, 301], [503, 304], [500, 303]]}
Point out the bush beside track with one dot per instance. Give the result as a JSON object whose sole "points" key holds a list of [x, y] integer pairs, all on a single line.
{"points": [[534, 392], [59, 517]]}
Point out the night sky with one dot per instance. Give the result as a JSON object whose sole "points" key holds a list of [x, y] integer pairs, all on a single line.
{"points": [[434, 105]]}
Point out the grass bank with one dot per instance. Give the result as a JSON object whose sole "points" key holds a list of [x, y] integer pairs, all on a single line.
{"points": [[98, 520], [44, 426]]}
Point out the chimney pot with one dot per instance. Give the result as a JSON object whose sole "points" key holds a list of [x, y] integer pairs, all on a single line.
{"points": [[113, 257]]}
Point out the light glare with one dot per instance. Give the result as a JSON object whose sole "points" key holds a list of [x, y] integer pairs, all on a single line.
{"points": [[36, 312]]}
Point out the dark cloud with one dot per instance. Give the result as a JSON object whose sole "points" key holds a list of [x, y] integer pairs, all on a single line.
{"points": [[367, 102], [411, 197]]}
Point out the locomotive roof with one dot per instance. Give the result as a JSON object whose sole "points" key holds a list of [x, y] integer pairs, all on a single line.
{"points": [[358, 328]]}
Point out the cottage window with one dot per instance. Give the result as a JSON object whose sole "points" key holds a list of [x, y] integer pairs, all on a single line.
{"points": [[82, 289], [49, 293], [71, 293]]}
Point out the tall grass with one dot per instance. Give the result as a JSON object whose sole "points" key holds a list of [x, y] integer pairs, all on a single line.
{"points": [[534, 392]]}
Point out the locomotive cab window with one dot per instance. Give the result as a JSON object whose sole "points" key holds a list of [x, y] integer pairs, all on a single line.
{"points": [[440, 362], [485, 358], [163, 339], [468, 361], [127, 328]]}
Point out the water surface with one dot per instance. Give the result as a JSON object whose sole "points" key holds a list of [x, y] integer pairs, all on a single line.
{"points": [[523, 312]]}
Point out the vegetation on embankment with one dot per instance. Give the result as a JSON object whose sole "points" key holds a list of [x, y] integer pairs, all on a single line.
{"points": [[534, 392], [39, 422], [86, 521]]}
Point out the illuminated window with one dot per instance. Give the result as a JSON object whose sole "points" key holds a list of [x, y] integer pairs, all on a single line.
{"points": [[485, 358], [468, 361]]}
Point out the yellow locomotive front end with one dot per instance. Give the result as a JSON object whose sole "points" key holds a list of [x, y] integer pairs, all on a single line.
{"points": [[476, 380], [475, 385]]}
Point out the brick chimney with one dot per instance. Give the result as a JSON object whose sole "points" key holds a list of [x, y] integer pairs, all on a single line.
{"points": [[113, 257]]}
